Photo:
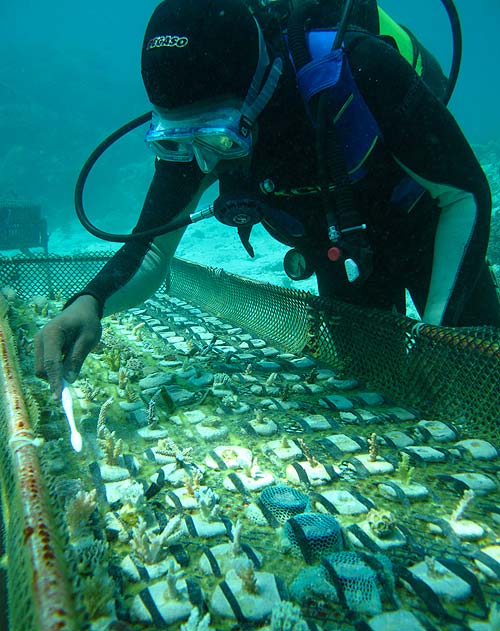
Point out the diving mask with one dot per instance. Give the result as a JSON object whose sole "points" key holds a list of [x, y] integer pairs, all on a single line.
{"points": [[208, 137]]}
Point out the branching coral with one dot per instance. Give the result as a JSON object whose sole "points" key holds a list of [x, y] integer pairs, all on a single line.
{"points": [[150, 547], [245, 570], [167, 447], [101, 420], [152, 417], [78, 512], [373, 447], [192, 481], [134, 367], [307, 454], [208, 501], [467, 497], [90, 392], [174, 574], [404, 470], [196, 622], [123, 376], [111, 446], [89, 554], [221, 381], [287, 617], [236, 549], [97, 591]]}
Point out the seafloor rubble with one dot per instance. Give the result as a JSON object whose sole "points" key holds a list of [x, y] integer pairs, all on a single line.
{"points": [[225, 484]]}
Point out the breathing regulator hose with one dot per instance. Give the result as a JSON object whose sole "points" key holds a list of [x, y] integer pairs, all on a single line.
{"points": [[82, 179], [453, 17]]}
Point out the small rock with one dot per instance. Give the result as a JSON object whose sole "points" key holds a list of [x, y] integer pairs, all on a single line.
{"points": [[371, 398], [395, 621], [439, 431], [344, 443], [401, 413], [442, 581], [184, 498], [267, 366], [131, 406], [255, 515], [377, 466], [336, 402], [284, 450], [212, 433], [465, 529], [493, 552], [429, 454], [289, 376], [156, 380], [481, 484], [411, 490], [316, 422], [264, 427], [180, 396], [256, 343], [225, 555], [112, 473], [254, 607], [303, 363], [344, 502], [203, 528], [307, 388], [152, 433], [256, 481], [315, 475], [478, 448], [170, 610], [124, 488], [400, 439], [233, 456], [194, 416], [342, 384], [201, 381]]}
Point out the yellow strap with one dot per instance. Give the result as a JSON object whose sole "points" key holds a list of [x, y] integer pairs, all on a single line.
{"points": [[391, 28]]}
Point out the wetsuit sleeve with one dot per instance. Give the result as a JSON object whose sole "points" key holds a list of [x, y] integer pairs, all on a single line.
{"points": [[138, 268], [427, 142]]}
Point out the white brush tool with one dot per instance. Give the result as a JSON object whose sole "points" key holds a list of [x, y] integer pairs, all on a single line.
{"points": [[67, 403]]}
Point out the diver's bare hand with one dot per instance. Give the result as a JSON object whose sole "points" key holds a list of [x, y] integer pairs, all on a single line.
{"points": [[63, 344]]}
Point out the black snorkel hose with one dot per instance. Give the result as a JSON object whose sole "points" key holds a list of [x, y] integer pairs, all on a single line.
{"points": [[82, 179], [301, 57], [456, 60]]}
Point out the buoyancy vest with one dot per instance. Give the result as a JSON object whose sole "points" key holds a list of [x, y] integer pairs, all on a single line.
{"points": [[356, 129]]}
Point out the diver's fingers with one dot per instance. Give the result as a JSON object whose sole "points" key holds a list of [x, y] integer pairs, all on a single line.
{"points": [[38, 355], [49, 345], [77, 354]]}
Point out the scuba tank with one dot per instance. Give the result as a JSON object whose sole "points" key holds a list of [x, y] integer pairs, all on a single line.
{"points": [[276, 15]]}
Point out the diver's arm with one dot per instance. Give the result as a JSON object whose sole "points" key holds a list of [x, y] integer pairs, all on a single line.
{"points": [[427, 142], [139, 267], [130, 277]]}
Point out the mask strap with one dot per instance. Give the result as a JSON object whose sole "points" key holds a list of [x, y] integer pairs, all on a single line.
{"points": [[256, 100]]}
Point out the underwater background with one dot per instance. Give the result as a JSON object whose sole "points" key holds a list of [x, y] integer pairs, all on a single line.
{"points": [[70, 75]]}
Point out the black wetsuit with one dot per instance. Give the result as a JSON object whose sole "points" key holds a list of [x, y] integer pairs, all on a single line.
{"points": [[436, 251]]}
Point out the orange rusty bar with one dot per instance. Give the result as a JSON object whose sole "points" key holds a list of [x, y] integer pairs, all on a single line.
{"points": [[52, 601]]}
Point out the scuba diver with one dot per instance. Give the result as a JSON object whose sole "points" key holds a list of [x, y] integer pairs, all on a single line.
{"points": [[332, 131]]}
